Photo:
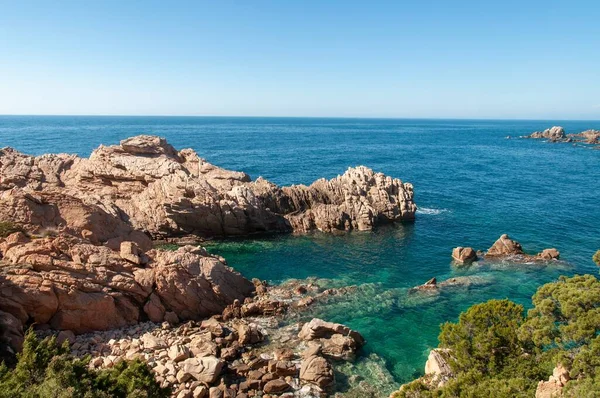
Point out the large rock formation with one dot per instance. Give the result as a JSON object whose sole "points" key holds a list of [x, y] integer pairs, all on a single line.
{"points": [[69, 283], [145, 184]]}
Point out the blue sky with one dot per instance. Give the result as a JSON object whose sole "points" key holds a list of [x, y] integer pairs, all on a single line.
{"points": [[458, 59]]}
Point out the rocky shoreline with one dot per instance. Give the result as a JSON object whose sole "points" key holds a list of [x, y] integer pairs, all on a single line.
{"points": [[77, 259]]}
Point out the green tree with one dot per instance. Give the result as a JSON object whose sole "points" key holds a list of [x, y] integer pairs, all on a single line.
{"points": [[485, 336], [565, 314], [47, 370]]}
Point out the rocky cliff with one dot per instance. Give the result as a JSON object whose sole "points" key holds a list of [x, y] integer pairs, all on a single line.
{"points": [[144, 184]]}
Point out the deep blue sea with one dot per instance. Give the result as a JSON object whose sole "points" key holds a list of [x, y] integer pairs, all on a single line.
{"points": [[471, 185]]}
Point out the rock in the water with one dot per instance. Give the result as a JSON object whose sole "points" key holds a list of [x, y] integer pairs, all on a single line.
{"points": [[504, 247], [337, 341], [553, 134], [549, 254], [464, 255], [318, 328]]}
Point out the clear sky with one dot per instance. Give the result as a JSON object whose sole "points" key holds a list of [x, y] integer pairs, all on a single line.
{"points": [[460, 59]]}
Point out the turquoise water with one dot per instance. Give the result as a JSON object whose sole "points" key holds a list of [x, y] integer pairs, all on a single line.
{"points": [[471, 185]]}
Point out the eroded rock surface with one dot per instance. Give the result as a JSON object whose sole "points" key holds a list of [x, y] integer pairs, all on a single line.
{"points": [[145, 184], [72, 284], [507, 248]]}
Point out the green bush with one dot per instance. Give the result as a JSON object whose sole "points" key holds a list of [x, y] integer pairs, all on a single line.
{"points": [[47, 370], [7, 228], [496, 352], [596, 258]]}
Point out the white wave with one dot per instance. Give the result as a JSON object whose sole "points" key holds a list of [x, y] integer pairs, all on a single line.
{"points": [[426, 210]]}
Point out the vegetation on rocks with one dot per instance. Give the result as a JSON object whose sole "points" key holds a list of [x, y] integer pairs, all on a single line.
{"points": [[45, 369], [7, 228], [494, 350], [596, 258]]}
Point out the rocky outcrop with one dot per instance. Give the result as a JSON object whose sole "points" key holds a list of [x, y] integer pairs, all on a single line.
{"points": [[464, 255], [553, 134], [557, 134], [72, 284], [145, 184], [506, 248], [437, 367], [553, 387]]}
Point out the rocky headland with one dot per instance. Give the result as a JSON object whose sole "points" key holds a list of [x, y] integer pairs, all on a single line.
{"points": [[78, 259], [145, 185]]}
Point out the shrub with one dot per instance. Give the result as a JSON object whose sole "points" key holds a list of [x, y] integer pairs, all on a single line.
{"points": [[45, 369]]}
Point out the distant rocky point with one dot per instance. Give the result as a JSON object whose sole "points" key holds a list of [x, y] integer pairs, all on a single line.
{"points": [[557, 134]]}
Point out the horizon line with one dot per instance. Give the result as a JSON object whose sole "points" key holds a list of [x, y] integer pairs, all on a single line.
{"points": [[301, 117]]}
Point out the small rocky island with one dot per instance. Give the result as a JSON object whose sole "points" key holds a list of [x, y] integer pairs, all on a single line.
{"points": [[558, 134], [78, 260]]}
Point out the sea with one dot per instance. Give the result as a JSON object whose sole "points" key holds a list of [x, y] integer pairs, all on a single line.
{"points": [[474, 180]]}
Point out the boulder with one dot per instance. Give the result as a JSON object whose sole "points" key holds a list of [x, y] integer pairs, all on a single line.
{"points": [[318, 328], [316, 370], [205, 369], [336, 340], [504, 247], [464, 255], [276, 386], [549, 254]]}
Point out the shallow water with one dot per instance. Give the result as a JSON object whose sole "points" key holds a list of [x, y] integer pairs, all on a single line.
{"points": [[471, 185]]}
